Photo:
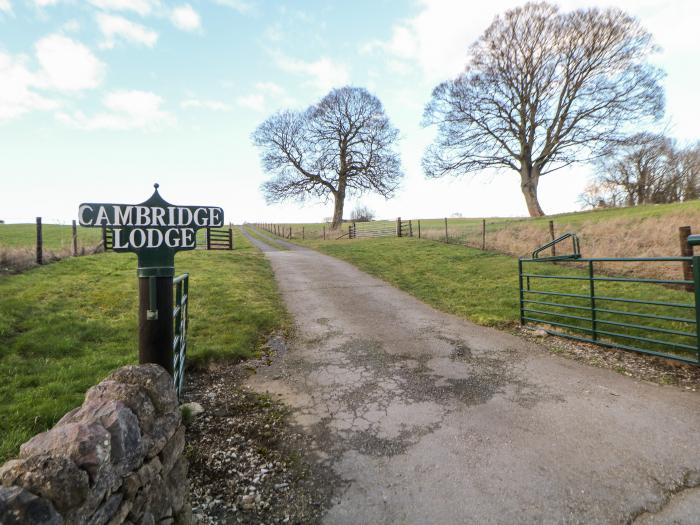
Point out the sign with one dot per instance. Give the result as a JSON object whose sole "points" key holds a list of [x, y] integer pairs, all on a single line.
{"points": [[154, 230]]}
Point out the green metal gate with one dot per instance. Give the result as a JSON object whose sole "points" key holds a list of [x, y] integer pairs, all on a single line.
{"points": [[573, 298], [181, 317]]}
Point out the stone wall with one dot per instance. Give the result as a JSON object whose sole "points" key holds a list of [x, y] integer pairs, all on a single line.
{"points": [[118, 458]]}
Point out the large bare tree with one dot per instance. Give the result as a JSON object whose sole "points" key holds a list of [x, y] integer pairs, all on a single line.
{"points": [[647, 168], [342, 145], [543, 89]]}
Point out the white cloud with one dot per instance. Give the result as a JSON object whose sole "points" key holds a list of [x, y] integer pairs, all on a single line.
{"points": [[214, 105], [437, 38], [45, 3], [16, 94], [114, 27], [68, 65], [72, 26], [267, 96], [141, 7], [270, 88], [185, 18], [6, 7], [239, 5], [255, 101], [322, 74], [124, 110]]}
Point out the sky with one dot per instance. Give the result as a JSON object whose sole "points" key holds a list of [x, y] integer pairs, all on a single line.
{"points": [[99, 99]]}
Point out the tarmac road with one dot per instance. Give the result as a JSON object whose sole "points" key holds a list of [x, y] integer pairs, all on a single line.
{"points": [[429, 418]]}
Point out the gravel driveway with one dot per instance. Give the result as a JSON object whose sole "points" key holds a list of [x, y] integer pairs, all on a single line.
{"points": [[428, 418]]}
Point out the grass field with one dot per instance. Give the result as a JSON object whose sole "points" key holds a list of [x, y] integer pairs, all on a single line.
{"points": [[483, 286], [64, 326], [56, 236], [18, 244]]}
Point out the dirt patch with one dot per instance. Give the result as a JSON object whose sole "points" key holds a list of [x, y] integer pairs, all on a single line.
{"points": [[248, 464]]}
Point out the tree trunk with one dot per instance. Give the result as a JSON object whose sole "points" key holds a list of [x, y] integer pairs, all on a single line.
{"points": [[529, 179], [339, 196], [339, 203]]}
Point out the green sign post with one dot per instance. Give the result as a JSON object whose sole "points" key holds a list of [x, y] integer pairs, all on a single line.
{"points": [[154, 230]]}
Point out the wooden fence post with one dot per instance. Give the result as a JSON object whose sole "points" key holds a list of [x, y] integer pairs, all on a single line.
{"points": [[398, 226], [324, 232], [75, 239], [446, 238], [290, 233], [39, 242], [410, 228], [686, 251], [483, 234], [302, 233], [208, 234], [551, 234], [419, 228], [230, 238]]}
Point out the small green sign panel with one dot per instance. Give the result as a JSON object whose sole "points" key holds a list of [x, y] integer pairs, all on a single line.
{"points": [[154, 230]]}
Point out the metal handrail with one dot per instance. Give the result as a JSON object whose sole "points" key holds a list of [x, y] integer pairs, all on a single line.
{"points": [[568, 235]]}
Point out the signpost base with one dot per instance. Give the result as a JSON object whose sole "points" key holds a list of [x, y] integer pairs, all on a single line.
{"points": [[156, 331]]}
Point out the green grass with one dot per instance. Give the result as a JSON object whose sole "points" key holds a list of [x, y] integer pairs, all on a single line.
{"points": [[55, 236], [65, 326], [483, 286]]}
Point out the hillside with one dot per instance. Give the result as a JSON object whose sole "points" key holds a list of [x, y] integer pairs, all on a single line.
{"points": [[641, 231]]}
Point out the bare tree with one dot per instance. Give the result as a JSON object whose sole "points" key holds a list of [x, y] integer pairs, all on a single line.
{"points": [[646, 168], [362, 213], [640, 168], [342, 145], [601, 194], [687, 172], [542, 90]]}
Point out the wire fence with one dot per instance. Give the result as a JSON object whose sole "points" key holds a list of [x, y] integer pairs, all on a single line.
{"points": [[25, 243], [621, 236]]}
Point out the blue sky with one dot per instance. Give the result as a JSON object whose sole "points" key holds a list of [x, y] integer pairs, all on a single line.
{"points": [[101, 98]]}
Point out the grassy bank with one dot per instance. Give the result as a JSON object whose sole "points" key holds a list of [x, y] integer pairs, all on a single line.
{"points": [[641, 231], [483, 286], [64, 326]]}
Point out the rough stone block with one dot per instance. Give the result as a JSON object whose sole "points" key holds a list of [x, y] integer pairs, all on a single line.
{"points": [[163, 430], [157, 382], [184, 517], [173, 449], [107, 510], [57, 479], [177, 484], [127, 449], [121, 514], [18, 506], [133, 396], [88, 445]]}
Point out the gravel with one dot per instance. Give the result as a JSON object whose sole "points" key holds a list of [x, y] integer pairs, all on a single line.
{"points": [[248, 463], [640, 366]]}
